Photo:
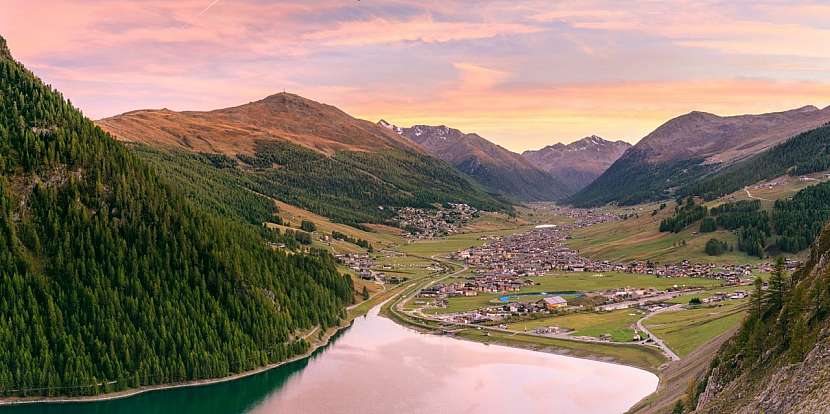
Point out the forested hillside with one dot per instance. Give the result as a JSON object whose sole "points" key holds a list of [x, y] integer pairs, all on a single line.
{"points": [[110, 279], [790, 226], [298, 151], [632, 179], [804, 153], [777, 362]]}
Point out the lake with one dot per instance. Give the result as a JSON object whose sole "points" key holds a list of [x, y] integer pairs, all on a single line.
{"points": [[378, 366]]}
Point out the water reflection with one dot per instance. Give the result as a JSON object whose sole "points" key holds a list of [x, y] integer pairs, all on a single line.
{"points": [[377, 366]]}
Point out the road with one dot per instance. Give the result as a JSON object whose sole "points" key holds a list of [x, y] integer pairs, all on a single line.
{"points": [[659, 342]]}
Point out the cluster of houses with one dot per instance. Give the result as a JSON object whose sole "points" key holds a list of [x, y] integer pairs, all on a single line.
{"points": [[496, 313], [363, 265], [472, 286], [722, 296], [419, 223], [542, 250]]}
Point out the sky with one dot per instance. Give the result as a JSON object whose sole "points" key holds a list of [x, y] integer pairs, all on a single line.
{"points": [[522, 73]]}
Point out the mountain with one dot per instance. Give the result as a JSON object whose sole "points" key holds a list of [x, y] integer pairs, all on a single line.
{"points": [[111, 279], [299, 151], [690, 146], [579, 163], [283, 116], [778, 361], [495, 167], [805, 153]]}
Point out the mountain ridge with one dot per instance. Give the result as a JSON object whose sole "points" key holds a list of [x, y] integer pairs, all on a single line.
{"points": [[494, 166], [304, 153], [579, 163], [690, 146], [235, 130]]}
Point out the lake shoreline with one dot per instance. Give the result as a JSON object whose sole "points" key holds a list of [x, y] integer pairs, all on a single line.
{"points": [[380, 298], [330, 333]]}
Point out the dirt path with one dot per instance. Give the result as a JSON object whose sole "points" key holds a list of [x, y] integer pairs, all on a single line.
{"points": [[748, 194]]}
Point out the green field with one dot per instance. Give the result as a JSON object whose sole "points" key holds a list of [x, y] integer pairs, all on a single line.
{"points": [[574, 281], [592, 282], [639, 238], [455, 242], [466, 303], [617, 323], [634, 355], [686, 330]]}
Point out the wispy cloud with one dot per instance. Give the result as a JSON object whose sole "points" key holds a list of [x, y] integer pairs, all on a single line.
{"points": [[522, 72]]}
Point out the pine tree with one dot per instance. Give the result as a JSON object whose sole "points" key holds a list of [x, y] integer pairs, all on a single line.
{"points": [[777, 285]]}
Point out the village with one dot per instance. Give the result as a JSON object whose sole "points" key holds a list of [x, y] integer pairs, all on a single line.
{"points": [[419, 223], [505, 271], [365, 267], [543, 250]]}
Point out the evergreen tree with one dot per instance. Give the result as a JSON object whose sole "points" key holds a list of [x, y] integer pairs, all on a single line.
{"points": [[109, 275], [777, 285]]}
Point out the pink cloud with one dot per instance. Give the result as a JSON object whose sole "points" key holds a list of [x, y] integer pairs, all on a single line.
{"points": [[421, 28], [522, 72]]}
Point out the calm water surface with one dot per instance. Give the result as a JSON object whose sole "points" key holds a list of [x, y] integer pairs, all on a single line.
{"points": [[377, 366]]}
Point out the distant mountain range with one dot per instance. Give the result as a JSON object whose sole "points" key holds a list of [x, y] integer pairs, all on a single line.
{"points": [[579, 163], [495, 167], [692, 146]]}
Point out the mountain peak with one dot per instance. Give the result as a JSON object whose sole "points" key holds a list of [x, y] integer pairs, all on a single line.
{"points": [[591, 140], [578, 163], [236, 130], [392, 127], [497, 168], [807, 108]]}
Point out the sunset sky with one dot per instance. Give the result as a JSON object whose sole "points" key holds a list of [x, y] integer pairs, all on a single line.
{"points": [[522, 73]]}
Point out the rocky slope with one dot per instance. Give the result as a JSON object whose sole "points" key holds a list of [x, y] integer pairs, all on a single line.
{"points": [[579, 163], [495, 167], [779, 362], [690, 146]]}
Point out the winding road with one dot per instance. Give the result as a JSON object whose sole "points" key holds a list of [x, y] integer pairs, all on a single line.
{"points": [[657, 341]]}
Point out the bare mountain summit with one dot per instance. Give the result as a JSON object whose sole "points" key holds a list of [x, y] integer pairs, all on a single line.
{"points": [[236, 130], [579, 163], [496, 167]]}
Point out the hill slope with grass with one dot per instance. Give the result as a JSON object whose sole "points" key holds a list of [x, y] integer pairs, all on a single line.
{"points": [[689, 147], [805, 153], [301, 152], [112, 280]]}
